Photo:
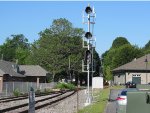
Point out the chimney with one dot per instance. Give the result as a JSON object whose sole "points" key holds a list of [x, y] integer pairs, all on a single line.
{"points": [[16, 67]]}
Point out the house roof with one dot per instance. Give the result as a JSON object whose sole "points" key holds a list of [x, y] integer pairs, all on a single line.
{"points": [[137, 65], [1, 72], [24, 70], [7, 68], [33, 70]]}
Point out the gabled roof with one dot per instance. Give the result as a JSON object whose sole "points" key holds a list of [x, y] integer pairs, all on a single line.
{"points": [[137, 65], [24, 70], [33, 70], [7, 68], [1, 72]]}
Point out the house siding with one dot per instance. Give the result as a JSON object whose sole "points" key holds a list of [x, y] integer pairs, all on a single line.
{"points": [[138, 68], [142, 75], [130, 75], [119, 80]]}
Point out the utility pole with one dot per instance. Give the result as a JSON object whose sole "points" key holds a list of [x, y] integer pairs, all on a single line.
{"points": [[70, 71], [146, 61]]}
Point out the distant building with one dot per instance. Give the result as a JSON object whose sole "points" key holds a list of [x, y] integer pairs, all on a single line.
{"points": [[137, 71], [10, 71]]}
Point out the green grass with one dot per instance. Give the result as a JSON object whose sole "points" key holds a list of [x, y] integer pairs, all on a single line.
{"points": [[101, 101]]}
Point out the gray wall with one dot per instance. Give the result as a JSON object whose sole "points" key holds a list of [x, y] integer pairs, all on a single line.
{"points": [[142, 75], [119, 79], [129, 75]]}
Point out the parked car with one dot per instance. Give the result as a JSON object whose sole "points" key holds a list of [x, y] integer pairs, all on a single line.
{"points": [[121, 100], [130, 84]]}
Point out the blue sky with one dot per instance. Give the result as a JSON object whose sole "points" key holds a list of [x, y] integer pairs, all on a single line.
{"points": [[113, 19]]}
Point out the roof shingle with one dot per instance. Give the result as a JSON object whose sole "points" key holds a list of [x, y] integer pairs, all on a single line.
{"points": [[24, 70], [138, 64], [7, 68], [33, 70]]}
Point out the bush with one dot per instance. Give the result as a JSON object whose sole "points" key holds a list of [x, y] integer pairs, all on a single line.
{"points": [[38, 91], [16, 92], [63, 86], [71, 86], [47, 91]]}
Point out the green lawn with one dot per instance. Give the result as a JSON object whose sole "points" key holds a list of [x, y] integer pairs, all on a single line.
{"points": [[101, 100]]}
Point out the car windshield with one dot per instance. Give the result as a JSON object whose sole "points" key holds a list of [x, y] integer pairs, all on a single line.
{"points": [[124, 93]]}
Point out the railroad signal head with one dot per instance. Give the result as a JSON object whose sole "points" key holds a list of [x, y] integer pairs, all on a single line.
{"points": [[88, 57], [88, 35], [146, 59], [88, 10]]}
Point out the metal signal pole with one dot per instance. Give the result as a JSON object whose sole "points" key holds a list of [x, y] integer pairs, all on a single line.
{"points": [[88, 61]]}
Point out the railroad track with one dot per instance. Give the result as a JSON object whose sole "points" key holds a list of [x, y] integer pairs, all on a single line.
{"points": [[40, 103], [9, 99], [12, 97]]}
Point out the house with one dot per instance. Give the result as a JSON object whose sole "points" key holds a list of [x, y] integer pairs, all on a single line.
{"points": [[137, 71], [33, 73], [10, 71]]}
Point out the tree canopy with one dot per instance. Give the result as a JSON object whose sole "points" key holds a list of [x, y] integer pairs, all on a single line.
{"points": [[58, 45], [119, 41], [147, 46], [120, 53], [15, 47]]}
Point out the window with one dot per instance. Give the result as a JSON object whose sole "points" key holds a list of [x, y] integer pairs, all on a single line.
{"points": [[124, 93], [136, 75]]}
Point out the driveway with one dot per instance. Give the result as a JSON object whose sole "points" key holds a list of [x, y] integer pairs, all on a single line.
{"points": [[111, 107]]}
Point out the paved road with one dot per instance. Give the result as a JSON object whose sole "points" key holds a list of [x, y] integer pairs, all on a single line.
{"points": [[111, 107]]}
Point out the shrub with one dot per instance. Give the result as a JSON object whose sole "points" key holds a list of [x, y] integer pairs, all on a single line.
{"points": [[63, 86], [38, 91], [60, 86], [47, 90], [71, 86], [16, 92]]}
